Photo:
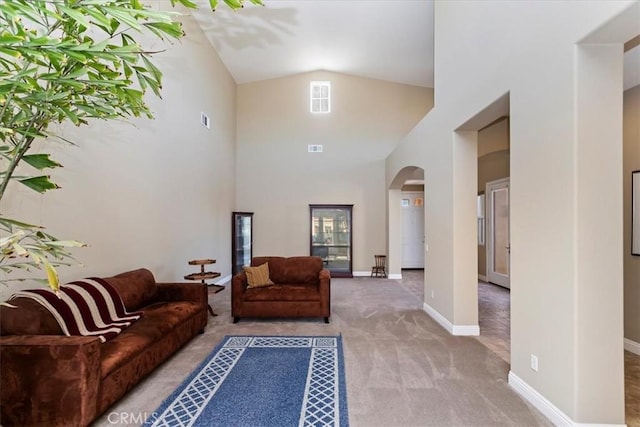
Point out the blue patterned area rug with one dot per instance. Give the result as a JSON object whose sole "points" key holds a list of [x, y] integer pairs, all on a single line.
{"points": [[259, 381]]}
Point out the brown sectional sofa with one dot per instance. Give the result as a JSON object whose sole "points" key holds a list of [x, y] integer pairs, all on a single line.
{"points": [[49, 379], [302, 288]]}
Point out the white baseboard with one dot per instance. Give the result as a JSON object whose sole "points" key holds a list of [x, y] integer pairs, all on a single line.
{"points": [[548, 409], [466, 330], [222, 280], [483, 278], [459, 330], [368, 274], [361, 273], [597, 425], [632, 346]]}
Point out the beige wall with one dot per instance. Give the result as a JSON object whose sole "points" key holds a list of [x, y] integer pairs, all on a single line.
{"points": [[631, 263], [493, 163], [277, 178], [154, 193], [563, 87]]}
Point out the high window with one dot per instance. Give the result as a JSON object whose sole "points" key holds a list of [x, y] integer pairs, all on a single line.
{"points": [[320, 97]]}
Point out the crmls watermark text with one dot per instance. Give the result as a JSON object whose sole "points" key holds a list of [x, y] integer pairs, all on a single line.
{"points": [[126, 418]]}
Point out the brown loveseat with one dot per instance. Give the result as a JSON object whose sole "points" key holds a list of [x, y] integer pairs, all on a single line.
{"points": [[49, 379], [302, 288]]}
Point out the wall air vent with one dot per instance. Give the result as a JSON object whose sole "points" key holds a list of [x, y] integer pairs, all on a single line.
{"points": [[314, 148], [204, 120]]}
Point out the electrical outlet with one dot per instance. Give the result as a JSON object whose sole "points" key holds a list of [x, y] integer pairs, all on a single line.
{"points": [[534, 362], [433, 294]]}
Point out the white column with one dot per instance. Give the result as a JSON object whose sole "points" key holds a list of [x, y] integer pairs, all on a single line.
{"points": [[599, 357], [465, 249]]}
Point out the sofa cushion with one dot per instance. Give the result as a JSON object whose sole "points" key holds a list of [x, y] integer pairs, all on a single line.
{"points": [[28, 317], [137, 288], [292, 270], [258, 277], [290, 292], [158, 320]]}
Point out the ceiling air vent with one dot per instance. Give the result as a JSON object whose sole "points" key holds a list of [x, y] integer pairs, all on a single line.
{"points": [[314, 148]]}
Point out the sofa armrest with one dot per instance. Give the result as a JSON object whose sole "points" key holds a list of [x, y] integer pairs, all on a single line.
{"points": [[50, 380], [324, 283], [196, 292], [239, 283], [325, 275], [238, 286]]}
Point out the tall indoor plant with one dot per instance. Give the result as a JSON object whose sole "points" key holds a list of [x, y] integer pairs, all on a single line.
{"points": [[67, 60]]}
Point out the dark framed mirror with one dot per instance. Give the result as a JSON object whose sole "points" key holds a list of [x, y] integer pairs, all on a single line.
{"points": [[241, 240], [635, 213]]}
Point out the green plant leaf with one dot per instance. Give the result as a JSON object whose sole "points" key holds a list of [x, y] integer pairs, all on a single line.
{"points": [[234, 4], [67, 244], [123, 15], [19, 250], [52, 275], [173, 29], [75, 14], [10, 51], [39, 183], [8, 38], [40, 161], [187, 3], [155, 72], [100, 18], [9, 222]]}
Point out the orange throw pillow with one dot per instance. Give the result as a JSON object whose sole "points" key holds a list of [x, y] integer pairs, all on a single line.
{"points": [[258, 277]]}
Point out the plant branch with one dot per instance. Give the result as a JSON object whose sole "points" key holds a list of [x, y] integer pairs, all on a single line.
{"points": [[22, 149]]}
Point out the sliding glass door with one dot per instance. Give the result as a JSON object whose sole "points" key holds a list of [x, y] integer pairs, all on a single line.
{"points": [[331, 237]]}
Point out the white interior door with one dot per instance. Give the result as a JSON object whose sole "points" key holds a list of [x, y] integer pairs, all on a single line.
{"points": [[498, 239], [412, 229]]}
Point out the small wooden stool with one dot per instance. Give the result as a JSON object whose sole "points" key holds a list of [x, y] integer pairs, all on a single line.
{"points": [[203, 276]]}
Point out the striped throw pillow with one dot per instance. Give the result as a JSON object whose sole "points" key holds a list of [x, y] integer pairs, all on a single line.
{"points": [[258, 277]]}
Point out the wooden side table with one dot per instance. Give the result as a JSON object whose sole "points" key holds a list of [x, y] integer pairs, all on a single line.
{"points": [[203, 276]]}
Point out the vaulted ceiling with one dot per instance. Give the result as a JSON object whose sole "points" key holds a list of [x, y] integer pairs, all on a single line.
{"points": [[383, 39]]}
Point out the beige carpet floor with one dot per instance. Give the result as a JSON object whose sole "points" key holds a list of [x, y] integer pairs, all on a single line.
{"points": [[402, 368]]}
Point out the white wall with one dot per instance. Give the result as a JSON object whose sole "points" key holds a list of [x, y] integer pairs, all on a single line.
{"points": [[154, 193], [561, 312], [277, 178]]}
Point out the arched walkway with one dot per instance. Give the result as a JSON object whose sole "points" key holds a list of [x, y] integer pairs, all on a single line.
{"points": [[394, 217]]}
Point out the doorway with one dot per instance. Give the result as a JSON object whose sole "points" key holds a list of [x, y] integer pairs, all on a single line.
{"points": [[412, 229], [494, 299], [498, 237]]}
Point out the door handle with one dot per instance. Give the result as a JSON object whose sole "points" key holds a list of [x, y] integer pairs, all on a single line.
{"points": [[508, 248]]}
